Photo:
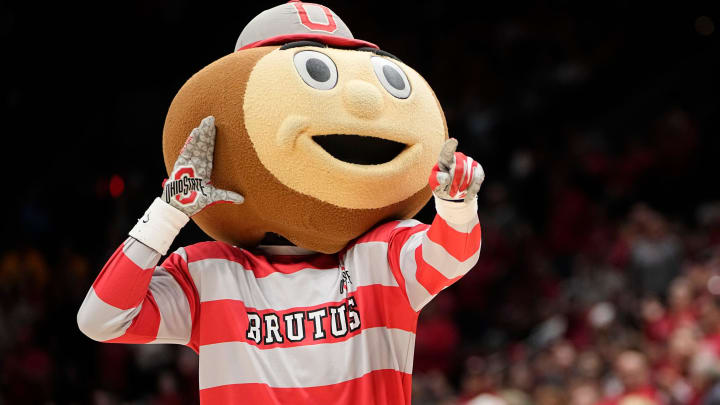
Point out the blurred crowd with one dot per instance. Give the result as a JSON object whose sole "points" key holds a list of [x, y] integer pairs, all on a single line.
{"points": [[599, 277], [636, 321]]}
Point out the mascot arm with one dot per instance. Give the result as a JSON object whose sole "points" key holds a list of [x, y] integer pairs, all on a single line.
{"points": [[135, 301], [132, 300], [428, 259]]}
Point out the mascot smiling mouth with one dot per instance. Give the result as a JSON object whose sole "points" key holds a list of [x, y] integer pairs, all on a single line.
{"points": [[358, 149]]}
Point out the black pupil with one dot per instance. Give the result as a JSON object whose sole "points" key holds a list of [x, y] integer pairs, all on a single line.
{"points": [[317, 69], [393, 77]]}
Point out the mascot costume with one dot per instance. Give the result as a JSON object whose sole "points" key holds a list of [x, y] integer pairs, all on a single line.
{"points": [[307, 135]]}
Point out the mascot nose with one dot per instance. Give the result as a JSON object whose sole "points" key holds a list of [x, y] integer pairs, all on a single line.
{"points": [[362, 99]]}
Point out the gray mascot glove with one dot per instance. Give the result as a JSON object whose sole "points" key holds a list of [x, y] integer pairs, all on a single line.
{"points": [[188, 188], [187, 191]]}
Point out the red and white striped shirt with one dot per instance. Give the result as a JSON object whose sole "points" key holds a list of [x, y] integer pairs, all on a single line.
{"points": [[280, 325]]}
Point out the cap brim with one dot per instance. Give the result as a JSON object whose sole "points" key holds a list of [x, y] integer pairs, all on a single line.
{"points": [[330, 40]]}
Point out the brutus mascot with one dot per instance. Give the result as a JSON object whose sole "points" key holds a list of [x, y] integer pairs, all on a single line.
{"points": [[308, 135]]}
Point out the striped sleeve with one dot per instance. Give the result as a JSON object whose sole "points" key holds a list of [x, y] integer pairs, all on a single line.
{"points": [[426, 259], [134, 301]]}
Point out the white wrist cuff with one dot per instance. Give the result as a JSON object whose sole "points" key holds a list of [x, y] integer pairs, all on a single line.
{"points": [[159, 226], [459, 212]]}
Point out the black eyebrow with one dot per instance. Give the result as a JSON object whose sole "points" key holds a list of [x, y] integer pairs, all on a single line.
{"points": [[298, 44], [379, 52]]}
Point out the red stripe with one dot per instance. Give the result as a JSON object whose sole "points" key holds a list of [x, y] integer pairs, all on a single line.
{"points": [[457, 175], [380, 233], [380, 387], [122, 283], [213, 250], [194, 342], [432, 181], [459, 245], [258, 263], [429, 277], [377, 305], [145, 325]]}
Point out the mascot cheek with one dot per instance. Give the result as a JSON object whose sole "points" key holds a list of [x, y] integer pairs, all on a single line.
{"points": [[218, 90]]}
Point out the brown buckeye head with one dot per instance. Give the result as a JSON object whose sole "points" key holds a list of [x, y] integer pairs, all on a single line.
{"points": [[323, 143]]}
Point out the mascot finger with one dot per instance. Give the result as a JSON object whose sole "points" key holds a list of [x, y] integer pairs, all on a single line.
{"points": [[220, 196], [477, 180], [447, 155], [439, 180]]}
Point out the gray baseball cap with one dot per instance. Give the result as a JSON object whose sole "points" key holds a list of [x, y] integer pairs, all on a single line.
{"points": [[297, 21]]}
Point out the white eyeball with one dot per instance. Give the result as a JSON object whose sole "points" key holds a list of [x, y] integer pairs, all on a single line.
{"points": [[316, 69], [391, 77]]}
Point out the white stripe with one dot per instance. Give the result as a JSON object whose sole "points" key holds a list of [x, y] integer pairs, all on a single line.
{"points": [[101, 321], [407, 223], [436, 256], [218, 279], [175, 321], [181, 252], [369, 265], [307, 366], [143, 256], [417, 294]]}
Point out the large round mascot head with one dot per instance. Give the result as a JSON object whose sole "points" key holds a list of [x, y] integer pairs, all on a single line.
{"points": [[325, 135]]}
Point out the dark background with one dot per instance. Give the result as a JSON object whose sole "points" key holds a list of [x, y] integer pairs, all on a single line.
{"points": [[596, 123]]}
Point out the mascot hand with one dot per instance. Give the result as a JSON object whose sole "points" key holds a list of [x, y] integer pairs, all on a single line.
{"points": [[456, 176], [189, 189]]}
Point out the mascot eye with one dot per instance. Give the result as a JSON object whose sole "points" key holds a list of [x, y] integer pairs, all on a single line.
{"points": [[391, 77], [316, 69]]}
